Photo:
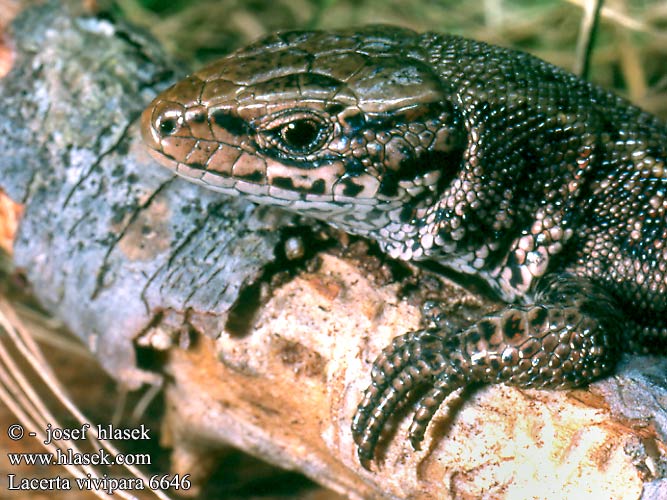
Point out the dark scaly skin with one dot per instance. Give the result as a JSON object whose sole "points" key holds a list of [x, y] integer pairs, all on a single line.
{"points": [[486, 160]]}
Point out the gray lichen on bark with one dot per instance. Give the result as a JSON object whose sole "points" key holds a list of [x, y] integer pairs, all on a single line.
{"points": [[109, 240]]}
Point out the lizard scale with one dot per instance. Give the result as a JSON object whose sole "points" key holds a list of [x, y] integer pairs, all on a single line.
{"points": [[489, 161]]}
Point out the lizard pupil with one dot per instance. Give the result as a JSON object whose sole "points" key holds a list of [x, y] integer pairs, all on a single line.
{"points": [[301, 135]]}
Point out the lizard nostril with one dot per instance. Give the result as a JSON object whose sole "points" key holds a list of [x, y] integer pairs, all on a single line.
{"points": [[167, 126], [162, 127], [167, 122], [162, 120]]}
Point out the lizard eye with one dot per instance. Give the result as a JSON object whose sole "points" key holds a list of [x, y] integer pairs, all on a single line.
{"points": [[301, 135], [298, 133]]}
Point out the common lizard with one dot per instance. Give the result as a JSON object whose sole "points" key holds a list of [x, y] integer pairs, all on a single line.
{"points": [[486, 160]]}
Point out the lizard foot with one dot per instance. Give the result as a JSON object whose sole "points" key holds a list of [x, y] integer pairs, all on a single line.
{"points": [[412, 360], [568, 338]]}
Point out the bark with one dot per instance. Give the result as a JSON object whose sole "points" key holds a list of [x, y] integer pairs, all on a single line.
{"points": [[110, 243]]}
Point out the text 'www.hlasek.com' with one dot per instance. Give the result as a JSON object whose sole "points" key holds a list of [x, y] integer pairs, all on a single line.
{"points": [[86, 468]]}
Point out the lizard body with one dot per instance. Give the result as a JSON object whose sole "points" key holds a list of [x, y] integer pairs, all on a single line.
{"points": [[486, 160]]}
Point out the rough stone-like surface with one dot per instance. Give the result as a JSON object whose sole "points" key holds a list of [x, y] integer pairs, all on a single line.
{"points": [[111, 244], [120, 250], [292, 383]]}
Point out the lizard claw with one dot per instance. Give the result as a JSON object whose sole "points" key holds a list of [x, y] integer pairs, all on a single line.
{"points": [[412, 360]]}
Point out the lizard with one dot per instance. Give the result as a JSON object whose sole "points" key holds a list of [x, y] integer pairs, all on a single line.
{"points": [[483, 159]]}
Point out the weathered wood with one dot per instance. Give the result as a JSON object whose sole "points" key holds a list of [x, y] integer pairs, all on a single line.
{"points": [[109, 242]]}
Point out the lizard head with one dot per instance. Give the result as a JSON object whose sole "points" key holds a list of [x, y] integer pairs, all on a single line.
{"points": [[353, 128]]}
